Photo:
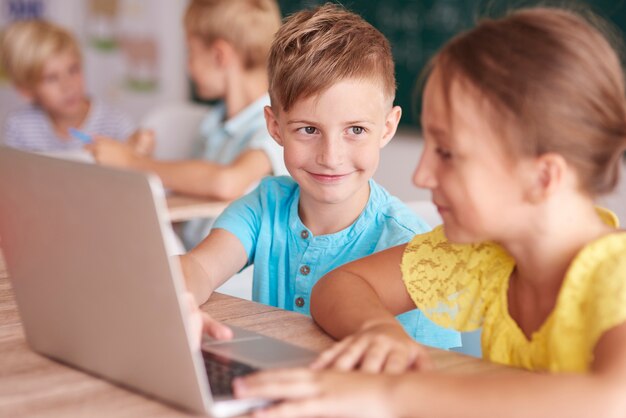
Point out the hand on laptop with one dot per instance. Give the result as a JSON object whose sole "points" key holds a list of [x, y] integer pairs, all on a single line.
{"points": [[202, 323], [325, 393], [380, 347]]}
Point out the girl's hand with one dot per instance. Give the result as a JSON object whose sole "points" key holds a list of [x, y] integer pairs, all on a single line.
{"points": [[310, 393], [378, 347]]}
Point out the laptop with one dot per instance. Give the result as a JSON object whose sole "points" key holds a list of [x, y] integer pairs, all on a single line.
{"points": [[96, 290]]}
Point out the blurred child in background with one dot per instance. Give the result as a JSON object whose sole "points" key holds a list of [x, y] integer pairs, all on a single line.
{"points": [[228, 43], [43, 61]]}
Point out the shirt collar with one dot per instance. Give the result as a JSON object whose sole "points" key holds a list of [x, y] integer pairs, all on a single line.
{"points": [[242, 119], [346, 235]]}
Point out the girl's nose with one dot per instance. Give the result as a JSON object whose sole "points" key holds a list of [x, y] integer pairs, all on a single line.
{"points": [[424, 175]]}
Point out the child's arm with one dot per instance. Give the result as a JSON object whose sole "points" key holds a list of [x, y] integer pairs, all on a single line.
{"points": [[216, 259], [375, 340], [194, 177], [516, 394]]}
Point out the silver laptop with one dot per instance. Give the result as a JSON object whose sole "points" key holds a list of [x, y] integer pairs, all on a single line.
{"points": [[96, 289]]}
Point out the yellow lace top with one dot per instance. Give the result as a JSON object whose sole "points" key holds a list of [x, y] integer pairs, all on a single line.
{"points": [[465, 287]]}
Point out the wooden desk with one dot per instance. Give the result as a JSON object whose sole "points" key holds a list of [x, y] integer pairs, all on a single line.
{"points": [[184, 208], [32, 385]]}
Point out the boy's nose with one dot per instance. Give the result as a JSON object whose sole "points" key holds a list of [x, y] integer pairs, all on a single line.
{"points": [[331, 153]]}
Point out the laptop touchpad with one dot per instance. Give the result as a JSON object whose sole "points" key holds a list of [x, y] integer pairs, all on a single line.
{"points": [[262, 352]]}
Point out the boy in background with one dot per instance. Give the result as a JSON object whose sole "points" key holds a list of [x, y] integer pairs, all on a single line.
{"points": [[228, 43], [43, 61], [332, 87]]}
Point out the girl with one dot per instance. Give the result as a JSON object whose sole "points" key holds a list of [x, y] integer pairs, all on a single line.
{"points": [[524, 124]]}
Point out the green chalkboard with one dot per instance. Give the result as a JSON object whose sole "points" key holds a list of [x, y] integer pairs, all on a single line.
{"points": [[418, 28]]}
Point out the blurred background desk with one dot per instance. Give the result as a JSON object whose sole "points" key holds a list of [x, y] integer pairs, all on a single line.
{"points": [[184, 208], [33, 385]]}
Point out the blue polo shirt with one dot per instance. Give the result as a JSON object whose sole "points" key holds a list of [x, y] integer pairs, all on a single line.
{"points": [[222, 141], [288, 259]]}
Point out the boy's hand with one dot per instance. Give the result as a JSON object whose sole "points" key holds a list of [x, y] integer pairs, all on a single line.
{"points": [[108, 151], [309, 393], [201, 323], [142, 141], [378, 347]]}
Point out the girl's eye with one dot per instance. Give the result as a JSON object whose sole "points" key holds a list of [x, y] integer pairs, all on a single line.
{"points": [[443, 153], [357, 130]]}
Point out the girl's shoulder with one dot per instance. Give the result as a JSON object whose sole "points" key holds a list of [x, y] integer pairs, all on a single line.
{"points": [[434, 245], [453, 283]]}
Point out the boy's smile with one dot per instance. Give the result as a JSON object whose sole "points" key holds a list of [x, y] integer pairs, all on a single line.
{"points": [[332, 141]]}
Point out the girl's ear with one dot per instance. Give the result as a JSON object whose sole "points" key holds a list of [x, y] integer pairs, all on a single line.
{"points": [[549, 176], [391, 125], [272, 124]]}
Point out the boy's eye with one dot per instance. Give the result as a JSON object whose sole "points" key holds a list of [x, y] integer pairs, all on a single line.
{"points": [[357, 130], [75, 69], [50, 78], [309, 130]]}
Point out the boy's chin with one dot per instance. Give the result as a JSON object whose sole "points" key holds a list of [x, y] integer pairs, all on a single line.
{"points": [[208, 96]]}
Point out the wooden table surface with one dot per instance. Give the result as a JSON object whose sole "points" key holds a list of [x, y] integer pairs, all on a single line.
{"points": [[184, 208], [33, 385]]}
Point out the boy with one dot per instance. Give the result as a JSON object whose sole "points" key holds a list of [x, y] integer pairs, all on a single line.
{"points": [[44, 63], [228, 42], [332, 87]]}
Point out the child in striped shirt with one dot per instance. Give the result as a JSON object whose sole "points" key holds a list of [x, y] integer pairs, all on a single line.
{"points": [[43, 62]]}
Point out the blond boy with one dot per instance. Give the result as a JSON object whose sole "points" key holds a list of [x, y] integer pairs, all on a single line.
{"points": [[228, 43], [332, 88], [43, 61]]}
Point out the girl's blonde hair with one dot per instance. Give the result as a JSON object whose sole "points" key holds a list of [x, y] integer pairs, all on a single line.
{"points": [[26, 45], [554, 78]]}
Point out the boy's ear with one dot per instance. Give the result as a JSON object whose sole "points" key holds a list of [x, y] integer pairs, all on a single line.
{"points": [[548, 175], [26, 93], [391, 125], [224, 52], [272, 124]]}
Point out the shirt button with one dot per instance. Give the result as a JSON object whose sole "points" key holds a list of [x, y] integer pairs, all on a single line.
{"points": [[304, 234], [299, 302], [305, 270]]}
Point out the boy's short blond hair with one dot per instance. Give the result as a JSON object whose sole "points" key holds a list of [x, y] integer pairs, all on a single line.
{"points": [[26, 45], [317, 48], [248, 25]]}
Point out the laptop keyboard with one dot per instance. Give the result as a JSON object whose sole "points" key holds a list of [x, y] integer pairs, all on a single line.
{"points": [[221, 371]]}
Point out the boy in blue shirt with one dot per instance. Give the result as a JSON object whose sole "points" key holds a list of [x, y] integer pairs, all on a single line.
{"points": [[332, 87]]}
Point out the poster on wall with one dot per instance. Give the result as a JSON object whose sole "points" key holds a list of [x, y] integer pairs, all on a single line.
{"points": [[126, 27]]}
